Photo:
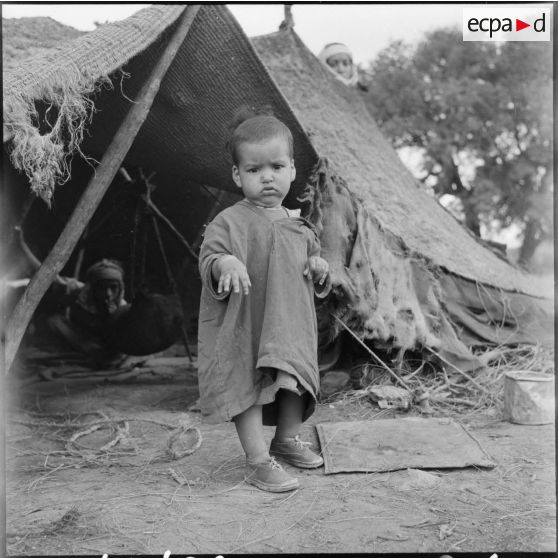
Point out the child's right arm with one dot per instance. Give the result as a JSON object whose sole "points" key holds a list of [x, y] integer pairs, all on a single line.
{"points": [[229, 271], [219, 268]]}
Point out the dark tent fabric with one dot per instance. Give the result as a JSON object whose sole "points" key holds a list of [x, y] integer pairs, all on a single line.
{"points": [[182, 140], [484, 315], [399, 260]]}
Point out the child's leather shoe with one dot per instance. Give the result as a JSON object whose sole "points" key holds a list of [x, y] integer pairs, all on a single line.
{"points": [[296, 452], [270, 476]]}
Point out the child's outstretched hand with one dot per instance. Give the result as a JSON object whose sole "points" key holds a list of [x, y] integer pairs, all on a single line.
{"points": [[232, 272], [316, 269]]}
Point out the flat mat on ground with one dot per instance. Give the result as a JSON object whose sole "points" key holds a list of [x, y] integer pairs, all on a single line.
{"points": [[401, 443]]}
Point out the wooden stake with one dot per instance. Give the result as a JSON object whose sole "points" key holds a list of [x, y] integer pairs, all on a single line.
{"points": [[173, 285], [372, 353], [212, 212], [110, 163], [471, 379]]}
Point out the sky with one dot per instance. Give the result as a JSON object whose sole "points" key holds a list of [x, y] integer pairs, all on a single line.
{"points": [[365, 28]]}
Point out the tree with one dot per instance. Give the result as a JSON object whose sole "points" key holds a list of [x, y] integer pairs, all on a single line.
{"points": [[481, 114]]}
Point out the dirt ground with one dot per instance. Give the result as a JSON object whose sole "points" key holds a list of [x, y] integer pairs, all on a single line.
{"points": [[134, 498]]}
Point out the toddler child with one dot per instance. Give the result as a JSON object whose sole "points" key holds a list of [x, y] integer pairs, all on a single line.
{"points": [[260, 268]]}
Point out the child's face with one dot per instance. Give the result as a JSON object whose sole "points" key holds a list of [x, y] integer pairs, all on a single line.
{"points": [[265, 171], [341, 64]]}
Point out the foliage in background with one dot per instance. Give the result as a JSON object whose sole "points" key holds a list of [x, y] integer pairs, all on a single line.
{"points": [[481, 114]]}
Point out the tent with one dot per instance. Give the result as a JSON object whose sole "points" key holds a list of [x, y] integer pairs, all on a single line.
{"points": [[158, 90], [427, 280]]}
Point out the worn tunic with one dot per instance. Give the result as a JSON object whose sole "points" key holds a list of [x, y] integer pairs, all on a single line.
{"points": [[251, 345]]}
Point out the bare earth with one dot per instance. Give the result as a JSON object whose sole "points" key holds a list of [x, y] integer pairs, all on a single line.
{"points": [[128, 499]]}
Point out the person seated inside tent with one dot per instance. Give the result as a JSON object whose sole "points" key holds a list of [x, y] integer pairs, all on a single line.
{"points": [[93, 318], [83, 312], [90, 307], [338, 59]]}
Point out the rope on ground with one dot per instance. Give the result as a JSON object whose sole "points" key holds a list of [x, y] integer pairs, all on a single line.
{"points": [[93, 423], [178, 432], [121, 433], [175, 437], [80, 434]]}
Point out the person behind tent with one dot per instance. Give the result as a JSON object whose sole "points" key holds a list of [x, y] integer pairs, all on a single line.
{"points": [[89, 309], [338, 59], [260, 266]]}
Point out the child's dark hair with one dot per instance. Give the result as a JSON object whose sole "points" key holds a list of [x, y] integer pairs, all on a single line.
{"points": [[253, 126]]}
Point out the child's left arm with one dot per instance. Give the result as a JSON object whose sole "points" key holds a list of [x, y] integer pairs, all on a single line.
{"points": [[316, 269]]}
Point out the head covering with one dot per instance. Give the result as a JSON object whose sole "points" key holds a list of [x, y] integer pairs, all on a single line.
{"points": [[339, 48], [332, 49], [105, 269], [101, 271]]}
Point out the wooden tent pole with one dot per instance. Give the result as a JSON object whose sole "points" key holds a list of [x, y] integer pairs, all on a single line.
{"points": [[212, 213], [157, 212], [107, 169], [170, 278]]}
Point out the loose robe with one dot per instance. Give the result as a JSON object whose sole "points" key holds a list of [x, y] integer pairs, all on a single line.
{"points": [[248, 342]]}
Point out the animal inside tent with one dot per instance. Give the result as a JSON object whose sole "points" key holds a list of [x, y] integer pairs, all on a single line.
{"points": [[406, 274]]}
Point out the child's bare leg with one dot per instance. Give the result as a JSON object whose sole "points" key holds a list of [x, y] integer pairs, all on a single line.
{"points": [[250, 432], [289, 420]]}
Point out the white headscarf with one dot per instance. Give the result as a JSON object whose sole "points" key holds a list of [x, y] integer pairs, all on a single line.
{"points": [[339, 48]]}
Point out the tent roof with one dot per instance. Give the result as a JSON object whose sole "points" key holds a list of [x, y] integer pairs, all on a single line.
{"points": [[29, 36], [184, 135], [215, 71]]}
